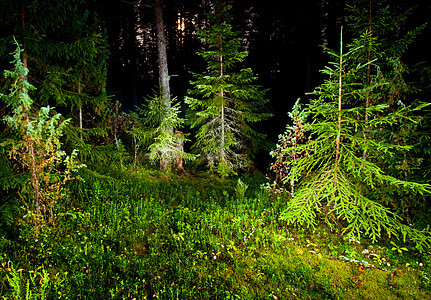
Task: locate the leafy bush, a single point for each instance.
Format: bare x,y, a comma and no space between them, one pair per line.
35,145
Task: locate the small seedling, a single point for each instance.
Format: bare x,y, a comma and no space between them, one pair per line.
397,248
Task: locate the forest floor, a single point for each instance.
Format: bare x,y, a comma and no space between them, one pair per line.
145,235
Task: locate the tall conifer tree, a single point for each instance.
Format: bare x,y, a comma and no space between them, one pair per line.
162,56
226,100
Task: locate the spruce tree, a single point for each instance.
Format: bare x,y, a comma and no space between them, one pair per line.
336,181
159,131
226,101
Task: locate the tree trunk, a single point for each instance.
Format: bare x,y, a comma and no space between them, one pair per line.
34,177
324,23
162,54
163,67
219,19
222,97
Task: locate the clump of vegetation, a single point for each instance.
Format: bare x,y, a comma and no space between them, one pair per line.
295,135
341,170
35,145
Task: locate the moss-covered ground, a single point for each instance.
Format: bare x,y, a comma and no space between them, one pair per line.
145,235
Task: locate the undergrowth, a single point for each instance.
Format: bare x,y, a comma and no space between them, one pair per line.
146,235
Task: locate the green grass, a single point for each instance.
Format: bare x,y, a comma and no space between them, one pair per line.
152,236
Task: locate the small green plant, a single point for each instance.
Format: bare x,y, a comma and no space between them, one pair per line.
426,279
398,248
35,287
295,135
240,189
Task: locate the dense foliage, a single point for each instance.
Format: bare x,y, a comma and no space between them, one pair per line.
340,178
101,197
160,132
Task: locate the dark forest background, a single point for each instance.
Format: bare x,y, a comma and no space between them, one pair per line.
284,41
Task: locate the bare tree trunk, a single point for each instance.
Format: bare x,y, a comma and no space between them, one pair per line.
219,19
163,67
180,149
162,54
135,148
324,22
